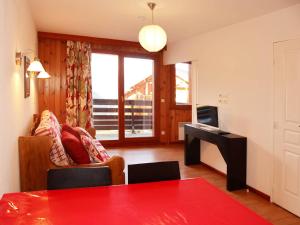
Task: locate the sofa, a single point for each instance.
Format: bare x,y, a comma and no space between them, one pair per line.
36,157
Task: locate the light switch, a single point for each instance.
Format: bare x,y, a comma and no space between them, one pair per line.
223,99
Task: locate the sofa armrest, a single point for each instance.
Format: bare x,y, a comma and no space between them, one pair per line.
116,165
34,162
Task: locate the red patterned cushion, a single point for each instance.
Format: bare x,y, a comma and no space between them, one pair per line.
75,148
66,127
95,149
46,128
55,124
101,150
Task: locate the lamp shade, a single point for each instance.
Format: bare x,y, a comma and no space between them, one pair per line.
36,66
43,75
153,38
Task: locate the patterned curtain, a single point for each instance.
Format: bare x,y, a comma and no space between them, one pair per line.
79,87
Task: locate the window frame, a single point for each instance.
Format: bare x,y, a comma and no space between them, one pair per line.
173,102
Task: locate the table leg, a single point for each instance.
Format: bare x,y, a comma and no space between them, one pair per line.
191,150
237,166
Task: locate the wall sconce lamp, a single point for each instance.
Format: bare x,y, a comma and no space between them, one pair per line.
43,75
18,58
35,66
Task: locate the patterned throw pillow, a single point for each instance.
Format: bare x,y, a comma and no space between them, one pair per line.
95,149
82,131
48,127
55,124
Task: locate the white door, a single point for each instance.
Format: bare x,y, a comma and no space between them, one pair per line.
286,186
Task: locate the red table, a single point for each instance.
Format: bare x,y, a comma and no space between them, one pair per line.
193,201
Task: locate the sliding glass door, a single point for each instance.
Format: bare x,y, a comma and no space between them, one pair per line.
138,94
105,86
123,97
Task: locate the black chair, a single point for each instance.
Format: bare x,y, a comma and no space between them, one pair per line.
151,172
78,177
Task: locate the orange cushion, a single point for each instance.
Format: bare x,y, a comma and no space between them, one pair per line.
75,148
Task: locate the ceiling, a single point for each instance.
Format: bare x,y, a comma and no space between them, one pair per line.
122,19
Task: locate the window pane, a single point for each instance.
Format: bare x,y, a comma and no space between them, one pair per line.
182,83
138,92
104,69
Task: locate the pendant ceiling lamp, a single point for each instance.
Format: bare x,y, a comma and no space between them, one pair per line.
152,37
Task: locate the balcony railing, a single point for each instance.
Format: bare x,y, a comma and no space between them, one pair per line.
138,114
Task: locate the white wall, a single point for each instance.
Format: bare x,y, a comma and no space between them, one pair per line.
237,61
17,33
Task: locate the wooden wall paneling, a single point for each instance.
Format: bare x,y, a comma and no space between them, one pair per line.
162,117
52,92
41,82
157,95
173,126
168,104
52,55
93,40
164,106
47,81
57,79
63,77
179,115
170,115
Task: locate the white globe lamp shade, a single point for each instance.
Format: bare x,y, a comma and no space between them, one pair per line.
36,66
43,75
153,38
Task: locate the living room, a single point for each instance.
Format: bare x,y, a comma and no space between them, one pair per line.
236,53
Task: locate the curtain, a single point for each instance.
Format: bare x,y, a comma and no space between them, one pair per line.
79,87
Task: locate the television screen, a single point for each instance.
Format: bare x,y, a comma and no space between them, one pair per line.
208,115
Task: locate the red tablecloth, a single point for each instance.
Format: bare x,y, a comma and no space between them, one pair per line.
193,201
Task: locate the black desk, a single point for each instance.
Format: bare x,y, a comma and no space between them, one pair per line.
233,149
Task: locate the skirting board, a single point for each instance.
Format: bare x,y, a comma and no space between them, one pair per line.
263,195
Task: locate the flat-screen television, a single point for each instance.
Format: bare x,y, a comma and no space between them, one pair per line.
208,115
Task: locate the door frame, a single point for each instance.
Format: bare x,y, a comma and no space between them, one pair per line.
122,141
275,123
